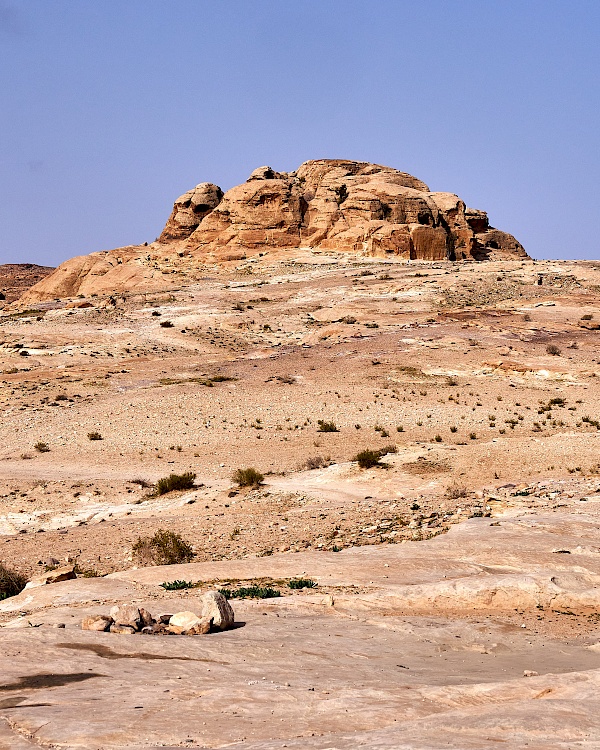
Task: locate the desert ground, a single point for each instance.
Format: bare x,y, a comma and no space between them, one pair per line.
468,558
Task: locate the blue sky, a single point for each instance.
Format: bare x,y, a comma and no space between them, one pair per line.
110,109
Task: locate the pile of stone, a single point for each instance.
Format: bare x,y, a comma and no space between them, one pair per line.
217,614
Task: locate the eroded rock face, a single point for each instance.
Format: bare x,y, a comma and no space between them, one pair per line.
190,209
327,204
346,206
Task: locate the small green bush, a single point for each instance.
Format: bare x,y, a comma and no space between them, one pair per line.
164,548
94,436
11,582
166,324
553,350
302,583
177,585
248,477
42,447
174,482
250,592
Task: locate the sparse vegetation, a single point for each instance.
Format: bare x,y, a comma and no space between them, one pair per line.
248,477
163,548
42,447
94,436
553,350
166,324
174,482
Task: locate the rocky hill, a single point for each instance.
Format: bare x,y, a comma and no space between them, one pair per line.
16,278
325,205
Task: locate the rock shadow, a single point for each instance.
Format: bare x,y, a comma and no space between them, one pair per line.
45,680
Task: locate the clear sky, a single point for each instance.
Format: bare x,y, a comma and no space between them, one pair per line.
110,109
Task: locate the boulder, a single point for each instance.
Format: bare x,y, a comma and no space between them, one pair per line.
128,615
99,623
64,573
188,623
216,607
122,629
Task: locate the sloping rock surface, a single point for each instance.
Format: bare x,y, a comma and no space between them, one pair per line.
327,205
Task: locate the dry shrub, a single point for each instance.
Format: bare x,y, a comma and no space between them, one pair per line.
174,482
455,491
164,548
248,477
11,582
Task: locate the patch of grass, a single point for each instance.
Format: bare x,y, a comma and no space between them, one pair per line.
324,426
177,585
248,477
174,482
163,548
250,592
94,436
11,582
553,350
302,583
42,447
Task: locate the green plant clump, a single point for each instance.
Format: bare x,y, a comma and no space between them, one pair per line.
42,447
164,548
174,482
250,592
177,585
302,583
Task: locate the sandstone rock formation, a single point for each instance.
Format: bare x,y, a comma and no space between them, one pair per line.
337,205
325,205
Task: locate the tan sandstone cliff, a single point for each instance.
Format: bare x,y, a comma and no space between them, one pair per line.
327,205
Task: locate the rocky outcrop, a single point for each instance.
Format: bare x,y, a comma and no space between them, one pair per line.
325,205
337,205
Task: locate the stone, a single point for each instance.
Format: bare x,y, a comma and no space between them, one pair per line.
122,629
200,628
182,621
530,673
216,607
128,615
146,618
100,623
64,573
